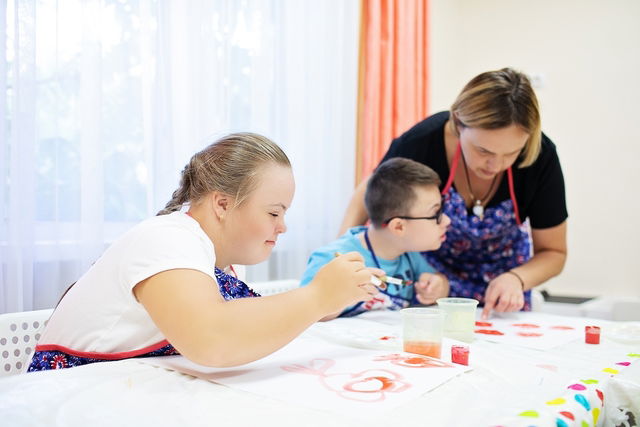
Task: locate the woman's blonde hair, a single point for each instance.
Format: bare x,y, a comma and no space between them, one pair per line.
230,165
497,99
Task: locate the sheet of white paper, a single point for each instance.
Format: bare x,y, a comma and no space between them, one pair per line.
313,373
359,333
531,330
386,317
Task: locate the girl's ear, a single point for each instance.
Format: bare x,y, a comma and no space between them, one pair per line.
220,204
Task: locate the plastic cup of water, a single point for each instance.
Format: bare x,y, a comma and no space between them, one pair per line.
422,330
460,317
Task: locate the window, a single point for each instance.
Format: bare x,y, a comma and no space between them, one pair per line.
106,100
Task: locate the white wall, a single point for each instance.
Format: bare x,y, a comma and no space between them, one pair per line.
588,55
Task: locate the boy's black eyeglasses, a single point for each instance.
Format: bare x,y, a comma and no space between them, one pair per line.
437,216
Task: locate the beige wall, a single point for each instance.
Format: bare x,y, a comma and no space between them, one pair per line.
587,53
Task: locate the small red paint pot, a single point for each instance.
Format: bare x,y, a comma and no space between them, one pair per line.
592,334
460,354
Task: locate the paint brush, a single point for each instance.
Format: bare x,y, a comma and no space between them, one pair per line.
375,280
396,281
381,282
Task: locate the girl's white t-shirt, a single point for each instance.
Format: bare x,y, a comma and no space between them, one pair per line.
100,313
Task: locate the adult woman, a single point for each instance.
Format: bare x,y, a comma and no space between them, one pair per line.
499,170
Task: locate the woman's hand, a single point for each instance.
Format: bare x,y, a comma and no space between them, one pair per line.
504,293
430,287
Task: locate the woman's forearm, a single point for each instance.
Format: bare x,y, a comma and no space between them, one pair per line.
541,267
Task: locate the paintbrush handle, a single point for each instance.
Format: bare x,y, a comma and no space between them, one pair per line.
375,280
396,281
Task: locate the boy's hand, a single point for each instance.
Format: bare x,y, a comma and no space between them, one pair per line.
430,287
343,281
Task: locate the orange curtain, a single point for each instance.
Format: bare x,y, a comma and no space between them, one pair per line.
393,74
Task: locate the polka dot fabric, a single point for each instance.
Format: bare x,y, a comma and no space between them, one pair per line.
580,403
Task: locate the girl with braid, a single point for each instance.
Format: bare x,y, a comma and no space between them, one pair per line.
168,286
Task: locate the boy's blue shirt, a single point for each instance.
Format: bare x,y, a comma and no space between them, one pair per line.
408,266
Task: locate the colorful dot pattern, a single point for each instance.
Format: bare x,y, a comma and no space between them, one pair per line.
582,402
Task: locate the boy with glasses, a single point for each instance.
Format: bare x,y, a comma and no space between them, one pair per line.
405,208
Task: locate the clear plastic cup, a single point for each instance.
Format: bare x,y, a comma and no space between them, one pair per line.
460,317
422,330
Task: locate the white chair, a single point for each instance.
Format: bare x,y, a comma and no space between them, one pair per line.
241,271
19,334
272,287
269,287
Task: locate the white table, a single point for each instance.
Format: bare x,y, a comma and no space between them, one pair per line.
505,382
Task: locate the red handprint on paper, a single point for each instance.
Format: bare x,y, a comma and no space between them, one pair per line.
370,385
414,361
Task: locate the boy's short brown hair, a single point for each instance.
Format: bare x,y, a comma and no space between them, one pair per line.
390,190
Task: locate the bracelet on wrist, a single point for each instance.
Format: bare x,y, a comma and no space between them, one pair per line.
518,276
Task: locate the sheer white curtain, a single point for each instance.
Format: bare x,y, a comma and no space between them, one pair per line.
105,101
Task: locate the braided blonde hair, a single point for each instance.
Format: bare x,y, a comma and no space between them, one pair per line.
230,165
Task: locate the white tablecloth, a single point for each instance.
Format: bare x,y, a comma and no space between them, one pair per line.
506,382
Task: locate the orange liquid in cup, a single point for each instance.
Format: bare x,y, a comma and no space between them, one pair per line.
426,348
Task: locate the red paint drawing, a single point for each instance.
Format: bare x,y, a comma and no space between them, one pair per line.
414,361
525,325
526,332
386,338
488,332
370,385
484,324
529,334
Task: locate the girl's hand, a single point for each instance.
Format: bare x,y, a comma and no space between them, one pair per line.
344,281
430,287
504,293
